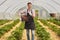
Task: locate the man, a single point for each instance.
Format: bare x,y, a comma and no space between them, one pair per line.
29,25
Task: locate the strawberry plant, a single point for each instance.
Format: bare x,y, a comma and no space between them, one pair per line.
41,33
17,34
57,22
6,28
52,27
3,21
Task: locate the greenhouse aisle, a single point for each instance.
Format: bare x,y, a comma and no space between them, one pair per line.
24,37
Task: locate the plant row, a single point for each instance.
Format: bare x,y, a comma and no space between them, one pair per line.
3,21
17,34
57,22
7,28
52,27
41,32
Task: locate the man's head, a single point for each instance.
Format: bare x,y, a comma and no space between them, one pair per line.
29,4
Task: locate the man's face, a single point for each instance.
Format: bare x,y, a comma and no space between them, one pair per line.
29,5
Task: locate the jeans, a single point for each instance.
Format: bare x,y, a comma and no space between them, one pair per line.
32,34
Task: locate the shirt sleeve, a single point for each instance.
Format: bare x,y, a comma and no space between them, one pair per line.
33,12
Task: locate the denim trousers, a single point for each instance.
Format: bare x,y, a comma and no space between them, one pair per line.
28,34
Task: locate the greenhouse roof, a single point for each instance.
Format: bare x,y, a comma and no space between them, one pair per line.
11,6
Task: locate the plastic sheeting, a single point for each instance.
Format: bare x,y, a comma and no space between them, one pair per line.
8,8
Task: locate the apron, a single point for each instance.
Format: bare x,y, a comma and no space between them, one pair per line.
30,23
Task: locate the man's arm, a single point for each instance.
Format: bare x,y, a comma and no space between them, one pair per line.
33,14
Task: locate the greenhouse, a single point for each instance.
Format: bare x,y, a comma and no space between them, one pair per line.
47,19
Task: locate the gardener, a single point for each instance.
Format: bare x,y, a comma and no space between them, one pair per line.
29,23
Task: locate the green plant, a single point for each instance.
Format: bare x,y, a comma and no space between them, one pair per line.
3,21
6,28
41,33
57,22
17,34
52,27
